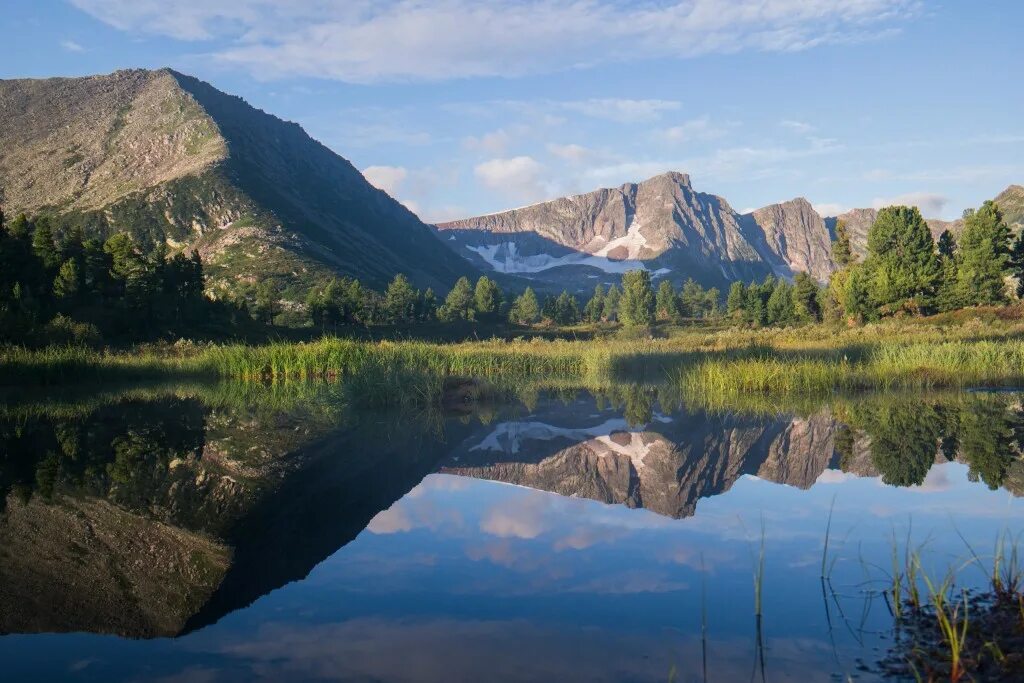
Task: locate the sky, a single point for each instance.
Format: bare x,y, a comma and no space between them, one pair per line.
464,107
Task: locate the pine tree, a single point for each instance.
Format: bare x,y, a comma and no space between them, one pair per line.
736,302
594,309
983,257
666,302
66,284
902,267
428,305
842,253
636,309
525,310
458,305
780,308
566,309
805,297
487,298
611,304
400,300
44,245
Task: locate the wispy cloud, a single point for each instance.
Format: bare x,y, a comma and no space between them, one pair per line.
519,177
930,203
71,46
397,40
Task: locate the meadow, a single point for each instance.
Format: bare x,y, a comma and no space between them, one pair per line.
984,349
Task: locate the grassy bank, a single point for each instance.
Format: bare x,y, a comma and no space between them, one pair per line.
724,362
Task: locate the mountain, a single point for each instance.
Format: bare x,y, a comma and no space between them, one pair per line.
172,159
661,224
1011,203
666,467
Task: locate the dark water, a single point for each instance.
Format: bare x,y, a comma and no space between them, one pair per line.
225,533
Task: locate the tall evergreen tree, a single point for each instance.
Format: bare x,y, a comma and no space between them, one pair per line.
611,304
400,300
458,305
902,268
805,295
525,309
666,304
487,298
636,309
842,252
44,245
594,310
736,302
983,259
780,308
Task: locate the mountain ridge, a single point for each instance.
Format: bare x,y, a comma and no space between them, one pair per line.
172,159
696,234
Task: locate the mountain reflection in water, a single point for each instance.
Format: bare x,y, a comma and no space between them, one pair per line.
277,533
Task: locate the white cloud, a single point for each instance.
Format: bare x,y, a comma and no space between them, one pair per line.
397,40
495,142
387,178
621,110
797,126
830,208
694,129
929,203
518,177
71,46
572,153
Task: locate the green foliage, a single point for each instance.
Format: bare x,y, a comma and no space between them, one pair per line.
636,308
983,257
667,305
842,253
400,300
806,303
780,307
80,291
487,298
567,309
594,310
458,305
525,309
611,304
736,302
901,270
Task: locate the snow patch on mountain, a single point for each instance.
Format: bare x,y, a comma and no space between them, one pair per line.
505,258
508,437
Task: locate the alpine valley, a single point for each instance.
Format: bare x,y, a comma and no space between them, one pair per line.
174,161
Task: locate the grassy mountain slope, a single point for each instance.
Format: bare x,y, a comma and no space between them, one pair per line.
170,158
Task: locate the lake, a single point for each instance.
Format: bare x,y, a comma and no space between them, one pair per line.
228,532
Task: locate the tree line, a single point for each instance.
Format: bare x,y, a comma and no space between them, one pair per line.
904,271
77,289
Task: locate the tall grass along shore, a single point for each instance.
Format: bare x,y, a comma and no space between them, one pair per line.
812,360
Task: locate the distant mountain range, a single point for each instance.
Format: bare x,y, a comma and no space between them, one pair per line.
170,158
664,225
174,160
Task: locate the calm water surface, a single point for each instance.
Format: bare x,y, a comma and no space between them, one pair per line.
224,533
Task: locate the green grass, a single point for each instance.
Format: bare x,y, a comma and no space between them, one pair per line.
706,365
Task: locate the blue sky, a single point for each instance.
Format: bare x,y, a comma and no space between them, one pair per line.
460,107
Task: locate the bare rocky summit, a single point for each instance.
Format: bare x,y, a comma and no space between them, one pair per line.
664,225
171,159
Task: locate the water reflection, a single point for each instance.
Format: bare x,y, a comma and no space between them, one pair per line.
279,534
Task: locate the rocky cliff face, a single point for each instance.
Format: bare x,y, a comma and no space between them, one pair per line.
795,238
665,467
171,159
661,224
